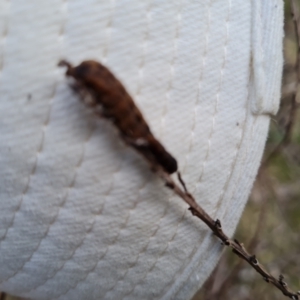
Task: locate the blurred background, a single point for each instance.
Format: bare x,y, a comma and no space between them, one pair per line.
270,224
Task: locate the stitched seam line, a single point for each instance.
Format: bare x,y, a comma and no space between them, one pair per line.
113,243
108,29
4,42
123,227
167,97
39,150
71,185
77,167
258,62
3,39
85,236
105,53
143,250
237,184
261,43
139,89
222,71
207,36
182,268
145,43
162,252
248,109
204,56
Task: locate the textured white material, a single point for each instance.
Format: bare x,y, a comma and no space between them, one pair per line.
81,216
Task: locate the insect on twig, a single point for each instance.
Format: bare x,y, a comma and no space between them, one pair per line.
108,96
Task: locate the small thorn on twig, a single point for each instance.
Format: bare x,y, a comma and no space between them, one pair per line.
224,243
238,242
218,224
193,211
283,283
281,277
170,185
254,260
182,182
190,195
216,228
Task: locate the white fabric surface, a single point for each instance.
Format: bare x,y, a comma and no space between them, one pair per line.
81,216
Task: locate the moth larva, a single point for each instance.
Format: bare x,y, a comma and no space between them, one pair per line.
109,96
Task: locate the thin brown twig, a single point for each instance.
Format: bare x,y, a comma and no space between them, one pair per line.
215,226
251,247
2,296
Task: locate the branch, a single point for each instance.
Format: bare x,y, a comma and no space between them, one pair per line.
2,296
216,227
251,247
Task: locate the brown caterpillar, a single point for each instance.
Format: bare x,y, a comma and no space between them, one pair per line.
109,96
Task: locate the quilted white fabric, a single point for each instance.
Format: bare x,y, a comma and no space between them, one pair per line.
81,214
